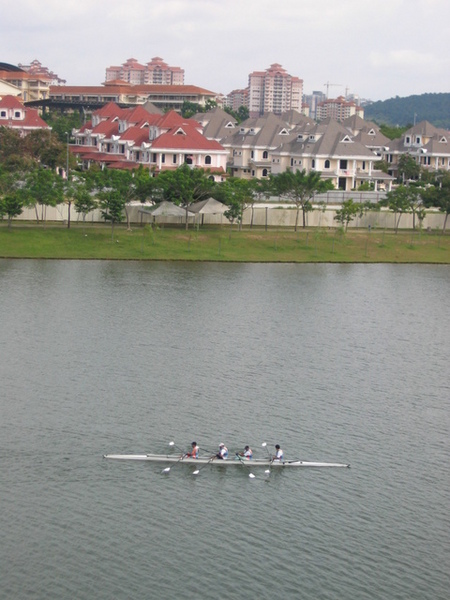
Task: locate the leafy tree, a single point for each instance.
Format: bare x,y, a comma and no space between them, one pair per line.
416,203
300,187
84,202
399,201
394,132
238,196
11,148
382,165
261,190
44,148
12,205
189,109
62,122
43,188
348,212
240,115
112,205
407,168
438,195
185,185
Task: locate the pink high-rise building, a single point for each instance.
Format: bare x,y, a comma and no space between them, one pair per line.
338,109
274,90
155,72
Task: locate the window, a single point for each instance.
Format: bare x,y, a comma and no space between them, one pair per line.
174,159
407,140
163,158
207,160
264,172
252,154
327,164
313,163
343,164
17,114
292,162
3,114
265,154
364,165
154,157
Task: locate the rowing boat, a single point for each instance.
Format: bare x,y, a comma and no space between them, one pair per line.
254,462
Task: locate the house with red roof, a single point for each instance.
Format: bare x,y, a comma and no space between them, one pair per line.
14,115
126,138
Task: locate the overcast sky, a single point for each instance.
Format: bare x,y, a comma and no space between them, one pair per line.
377,49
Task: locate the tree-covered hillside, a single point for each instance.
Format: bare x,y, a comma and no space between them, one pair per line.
434,108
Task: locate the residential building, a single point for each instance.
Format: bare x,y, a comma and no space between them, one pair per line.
367,133
252,143
312,100
427,144
162,96
14,115
237,98
127,138
338,109
37,69
274,90
330,148
155,72
217,124
30,86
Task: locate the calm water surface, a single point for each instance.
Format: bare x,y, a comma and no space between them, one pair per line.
345,363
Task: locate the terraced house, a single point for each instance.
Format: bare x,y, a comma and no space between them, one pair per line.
127,138
345,153
332,149
427,144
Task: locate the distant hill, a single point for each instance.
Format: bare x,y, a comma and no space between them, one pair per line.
434,108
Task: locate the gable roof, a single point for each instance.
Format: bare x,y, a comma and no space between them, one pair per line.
185,136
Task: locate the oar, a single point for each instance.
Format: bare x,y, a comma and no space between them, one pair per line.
167,469
244,464
264,445
177,447
197,471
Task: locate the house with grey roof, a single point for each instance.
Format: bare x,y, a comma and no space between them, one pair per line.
330,148
251,146
427,144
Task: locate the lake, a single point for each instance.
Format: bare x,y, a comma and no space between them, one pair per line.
337,363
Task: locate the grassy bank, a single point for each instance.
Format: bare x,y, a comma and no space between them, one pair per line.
222,244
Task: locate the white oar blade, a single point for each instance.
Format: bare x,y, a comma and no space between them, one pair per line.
267,471
251,476
196,472
166,470
171,443
264,444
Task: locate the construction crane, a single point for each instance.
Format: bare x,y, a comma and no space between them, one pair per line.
328,85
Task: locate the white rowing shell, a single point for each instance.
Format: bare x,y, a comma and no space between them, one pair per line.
255,462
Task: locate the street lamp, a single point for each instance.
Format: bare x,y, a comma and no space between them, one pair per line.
69,202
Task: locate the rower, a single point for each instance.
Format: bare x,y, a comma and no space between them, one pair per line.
247,453
223,452
279,455
194,452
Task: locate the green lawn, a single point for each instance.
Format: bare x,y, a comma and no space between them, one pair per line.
222,244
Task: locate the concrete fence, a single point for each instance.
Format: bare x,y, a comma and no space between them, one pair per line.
262,215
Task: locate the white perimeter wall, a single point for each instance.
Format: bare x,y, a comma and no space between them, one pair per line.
262,216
